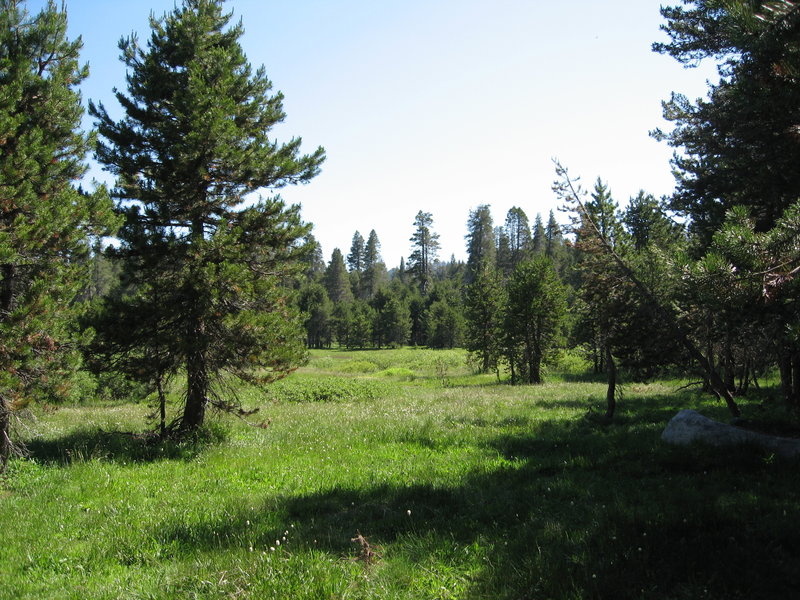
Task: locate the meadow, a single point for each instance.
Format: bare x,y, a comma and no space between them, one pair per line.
400,474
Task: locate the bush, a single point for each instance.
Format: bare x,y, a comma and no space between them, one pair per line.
328,389
399,372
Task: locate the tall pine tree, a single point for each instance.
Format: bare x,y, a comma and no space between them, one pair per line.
210,267
425,244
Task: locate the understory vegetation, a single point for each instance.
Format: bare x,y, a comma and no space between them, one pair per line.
401,474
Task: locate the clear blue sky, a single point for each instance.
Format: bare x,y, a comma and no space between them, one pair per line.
441,105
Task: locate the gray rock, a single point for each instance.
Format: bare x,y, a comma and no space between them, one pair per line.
689,426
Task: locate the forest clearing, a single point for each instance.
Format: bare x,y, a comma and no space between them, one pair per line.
460,486
196,403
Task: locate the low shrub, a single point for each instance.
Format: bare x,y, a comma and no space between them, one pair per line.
402,373
327,389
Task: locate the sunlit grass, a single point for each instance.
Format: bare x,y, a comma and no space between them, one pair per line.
464,487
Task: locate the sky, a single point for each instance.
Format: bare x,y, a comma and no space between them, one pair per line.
440,105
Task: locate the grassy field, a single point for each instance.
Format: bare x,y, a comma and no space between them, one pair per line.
459,487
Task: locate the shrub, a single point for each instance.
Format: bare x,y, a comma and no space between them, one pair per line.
328,389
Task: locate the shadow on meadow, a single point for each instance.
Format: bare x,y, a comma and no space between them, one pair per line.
119,446
579,509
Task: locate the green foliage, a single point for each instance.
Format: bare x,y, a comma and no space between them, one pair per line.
46,224
481,252
358,366
532,318
356,258
518,231
483,307
317,310
209,272
392,320
326,389
647,223
337,282
740,145
425,244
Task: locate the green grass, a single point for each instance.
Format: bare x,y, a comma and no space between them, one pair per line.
464,488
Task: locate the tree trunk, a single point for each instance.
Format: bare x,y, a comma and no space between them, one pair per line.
197,380
162,405
5,440
611,393
729,368
6,305
196,391
787,383
9,272
795,379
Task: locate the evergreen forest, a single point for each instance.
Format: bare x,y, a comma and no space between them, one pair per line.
198,400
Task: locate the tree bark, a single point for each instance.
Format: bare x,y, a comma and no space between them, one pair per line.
6,305
611,393
7,289
5,440
197,380
162,405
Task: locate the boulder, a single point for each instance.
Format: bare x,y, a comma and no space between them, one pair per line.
689,426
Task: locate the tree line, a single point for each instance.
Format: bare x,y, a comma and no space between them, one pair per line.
211,282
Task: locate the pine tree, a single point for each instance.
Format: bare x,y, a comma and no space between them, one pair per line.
392,324
355,260
483,304
519,235
538,235
425,244
314,261
480,242
45,222
317,309
553,239
533,317
738,146
647,223
337,282
375,275
503,260
193,146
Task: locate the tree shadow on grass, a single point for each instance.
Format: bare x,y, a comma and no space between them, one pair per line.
120,446
577,510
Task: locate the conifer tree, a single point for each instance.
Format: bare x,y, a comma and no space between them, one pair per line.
45,222
337,283
355,260
317,308
211,269
553,239
480,242
483,305
425,244
533,316
538,235
503,258
647,223
375,275
519,234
